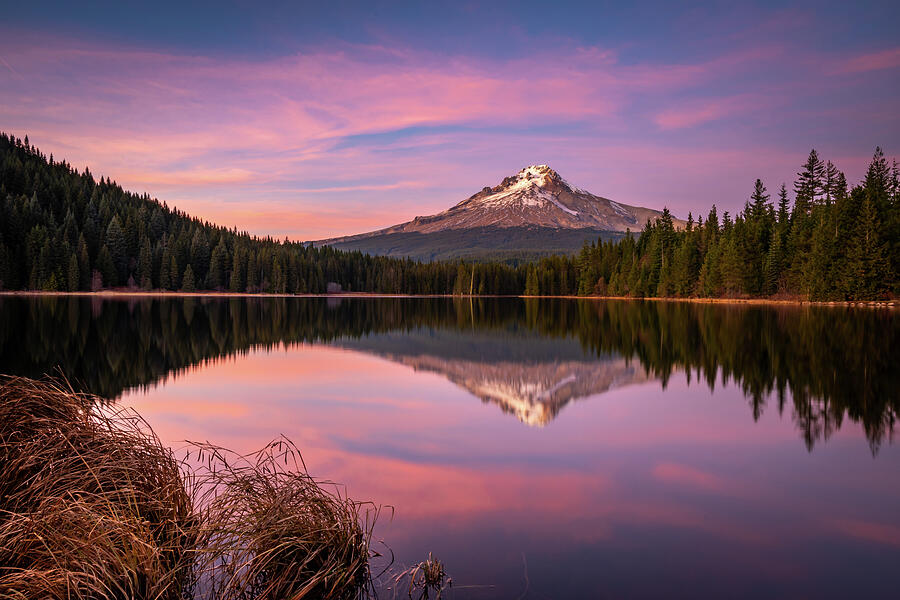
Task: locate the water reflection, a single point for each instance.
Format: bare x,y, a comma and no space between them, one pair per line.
523,373
666,427
529,357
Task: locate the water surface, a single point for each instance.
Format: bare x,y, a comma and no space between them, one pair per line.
541,449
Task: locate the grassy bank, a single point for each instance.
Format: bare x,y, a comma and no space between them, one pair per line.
92,505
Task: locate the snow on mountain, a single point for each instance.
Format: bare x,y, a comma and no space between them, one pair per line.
536,206
536,196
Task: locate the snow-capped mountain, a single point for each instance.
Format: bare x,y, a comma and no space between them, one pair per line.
533,200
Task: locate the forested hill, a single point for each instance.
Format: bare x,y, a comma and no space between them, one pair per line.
63,230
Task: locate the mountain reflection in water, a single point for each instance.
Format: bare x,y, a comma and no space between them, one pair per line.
529,357
525,374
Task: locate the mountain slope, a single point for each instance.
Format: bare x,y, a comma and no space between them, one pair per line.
535,212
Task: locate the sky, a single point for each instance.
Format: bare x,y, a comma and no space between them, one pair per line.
310,120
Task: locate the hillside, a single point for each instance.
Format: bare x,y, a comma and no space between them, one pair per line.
62,230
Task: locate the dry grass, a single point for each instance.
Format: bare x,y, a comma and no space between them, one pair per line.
276,533
426,580
93,506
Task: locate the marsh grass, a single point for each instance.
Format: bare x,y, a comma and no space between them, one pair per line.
93,506
272,531
428,579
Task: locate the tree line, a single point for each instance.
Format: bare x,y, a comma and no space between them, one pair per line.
60,229
831,243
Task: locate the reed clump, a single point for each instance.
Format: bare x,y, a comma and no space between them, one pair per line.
426,579
93,506
274,532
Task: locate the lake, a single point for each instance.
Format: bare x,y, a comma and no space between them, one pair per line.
540,448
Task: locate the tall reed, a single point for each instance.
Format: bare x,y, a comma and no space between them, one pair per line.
93,506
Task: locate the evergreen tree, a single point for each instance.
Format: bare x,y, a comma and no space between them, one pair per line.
165,280
117,247
868,263
531,283
216,278
236,283
73,280
145,265
784,213
187,283
809,184
107,268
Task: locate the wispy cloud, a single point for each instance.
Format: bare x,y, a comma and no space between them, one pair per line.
874,61
393,132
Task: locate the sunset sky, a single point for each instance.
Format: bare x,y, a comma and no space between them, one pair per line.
333,118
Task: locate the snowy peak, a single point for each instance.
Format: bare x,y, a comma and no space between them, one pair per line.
536,197
533,175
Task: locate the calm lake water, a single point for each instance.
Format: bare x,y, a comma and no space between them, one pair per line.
541,449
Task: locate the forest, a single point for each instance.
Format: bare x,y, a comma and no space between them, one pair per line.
62,230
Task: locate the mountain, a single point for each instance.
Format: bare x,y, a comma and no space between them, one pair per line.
533,213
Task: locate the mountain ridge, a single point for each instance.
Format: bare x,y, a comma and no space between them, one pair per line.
536,199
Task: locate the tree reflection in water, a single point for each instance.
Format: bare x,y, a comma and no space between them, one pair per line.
825,364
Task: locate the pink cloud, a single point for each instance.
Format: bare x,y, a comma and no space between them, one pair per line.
310,139
881,533
697,113
686,475
874,61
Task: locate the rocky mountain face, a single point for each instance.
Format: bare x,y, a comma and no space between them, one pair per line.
536,206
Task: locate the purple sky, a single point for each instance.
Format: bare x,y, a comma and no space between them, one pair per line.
318,122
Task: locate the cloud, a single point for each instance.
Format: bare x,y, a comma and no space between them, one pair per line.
874,61
348,135
704,111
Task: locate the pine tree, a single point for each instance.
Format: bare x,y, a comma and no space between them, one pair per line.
84,264
829,188
868,262
73,278
174,273
809,184
216,277
165,281
187,283
759,202
107,268
773,266
117,247
531,283
200,255
236,283
145,265
784,212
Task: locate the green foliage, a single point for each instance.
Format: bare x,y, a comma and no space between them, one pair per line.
833,245
187,283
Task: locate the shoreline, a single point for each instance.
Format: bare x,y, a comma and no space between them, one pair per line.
893,304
